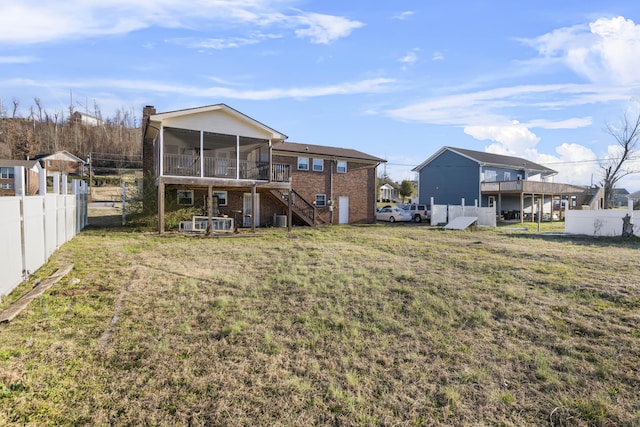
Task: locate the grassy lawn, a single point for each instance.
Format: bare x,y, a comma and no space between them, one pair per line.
346,325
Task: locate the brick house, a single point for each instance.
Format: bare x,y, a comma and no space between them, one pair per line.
8,175
229,165
340,182
62,162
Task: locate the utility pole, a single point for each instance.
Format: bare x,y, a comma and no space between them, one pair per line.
90,177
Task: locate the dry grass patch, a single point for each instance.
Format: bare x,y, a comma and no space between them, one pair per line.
369,325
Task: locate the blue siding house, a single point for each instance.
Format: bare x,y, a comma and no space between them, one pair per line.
513,185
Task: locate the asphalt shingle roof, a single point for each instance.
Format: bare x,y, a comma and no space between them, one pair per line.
322,150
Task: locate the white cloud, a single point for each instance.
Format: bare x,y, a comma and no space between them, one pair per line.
410,57
607,51
160,88
573,123
16,59
513,139
437,56
224,43
576,163
325,29
37,21
493,106
404,15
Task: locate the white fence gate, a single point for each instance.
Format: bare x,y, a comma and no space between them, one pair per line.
33,227
442,214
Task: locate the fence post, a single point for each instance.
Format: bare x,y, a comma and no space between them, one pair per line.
42,182
63,183
56,182
124,201
18,179
19,188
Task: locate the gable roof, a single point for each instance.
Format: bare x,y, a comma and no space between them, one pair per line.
29,164
293,148
389,182
59,155
215,107
490,159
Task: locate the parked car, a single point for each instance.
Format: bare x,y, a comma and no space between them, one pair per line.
419,212
393,214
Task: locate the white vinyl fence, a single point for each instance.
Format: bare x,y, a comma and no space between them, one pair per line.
601,222
33,227
443,214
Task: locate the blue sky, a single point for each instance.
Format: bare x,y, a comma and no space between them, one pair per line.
396,79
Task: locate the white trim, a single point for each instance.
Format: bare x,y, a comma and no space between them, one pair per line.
277,136
298,163
182,190
316,200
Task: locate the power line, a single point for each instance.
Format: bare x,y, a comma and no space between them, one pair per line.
571,162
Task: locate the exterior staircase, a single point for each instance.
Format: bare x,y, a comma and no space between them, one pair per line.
302,209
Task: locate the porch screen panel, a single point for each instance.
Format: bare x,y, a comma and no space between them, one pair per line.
219,152
181,152
254,158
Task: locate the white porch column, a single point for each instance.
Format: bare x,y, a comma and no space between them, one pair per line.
201,154
161,151
237,156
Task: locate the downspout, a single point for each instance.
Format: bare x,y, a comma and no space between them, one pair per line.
375,191
480,185
331,191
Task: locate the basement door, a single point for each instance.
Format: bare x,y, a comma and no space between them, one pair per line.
246,210
343,210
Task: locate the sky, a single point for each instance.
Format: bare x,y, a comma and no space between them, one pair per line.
544,80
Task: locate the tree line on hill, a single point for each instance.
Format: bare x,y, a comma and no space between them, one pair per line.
115,139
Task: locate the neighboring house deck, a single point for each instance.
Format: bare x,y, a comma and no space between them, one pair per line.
516,187
229,164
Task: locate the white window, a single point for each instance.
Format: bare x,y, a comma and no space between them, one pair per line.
318,165
222,197
490,176
6,173
321,199
492,201
7,185
507,176
185,197
49,162
303,163
341,167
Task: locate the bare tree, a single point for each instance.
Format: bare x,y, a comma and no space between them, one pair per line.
627,137
16,105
